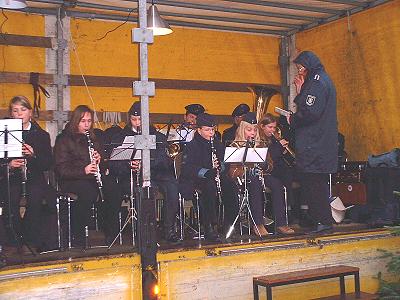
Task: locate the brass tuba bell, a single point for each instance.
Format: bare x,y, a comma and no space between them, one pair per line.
262,96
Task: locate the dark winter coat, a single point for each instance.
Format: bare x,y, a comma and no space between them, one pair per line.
197,161
315,121
71,154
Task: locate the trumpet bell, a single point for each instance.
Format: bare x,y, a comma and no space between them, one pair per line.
173,150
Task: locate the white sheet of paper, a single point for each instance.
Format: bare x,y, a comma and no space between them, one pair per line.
282,111
13,146
254,155
126,150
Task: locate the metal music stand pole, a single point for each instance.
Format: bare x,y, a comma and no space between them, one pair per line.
18,237
245,198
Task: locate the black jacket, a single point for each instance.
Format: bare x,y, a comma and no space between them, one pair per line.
42,160
197,161
161,164
315,121
229,134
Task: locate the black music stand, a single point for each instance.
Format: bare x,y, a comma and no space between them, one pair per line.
11,147
245,155
128,152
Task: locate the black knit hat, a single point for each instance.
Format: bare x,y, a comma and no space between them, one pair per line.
135,109
205,119
240,110
250,117
195,109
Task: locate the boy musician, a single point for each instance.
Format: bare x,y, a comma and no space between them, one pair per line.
200,170
161,170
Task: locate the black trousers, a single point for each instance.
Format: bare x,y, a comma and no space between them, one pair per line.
315,190
169,189
37,226
87,192
256,200
208,201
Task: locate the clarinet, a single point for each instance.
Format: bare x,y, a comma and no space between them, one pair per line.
214,160
24,193
97,175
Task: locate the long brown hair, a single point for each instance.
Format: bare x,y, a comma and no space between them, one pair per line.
76,117
266,119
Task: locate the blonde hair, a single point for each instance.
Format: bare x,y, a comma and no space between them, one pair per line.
22,100
240,140
240,133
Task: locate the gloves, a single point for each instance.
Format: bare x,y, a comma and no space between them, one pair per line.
210,174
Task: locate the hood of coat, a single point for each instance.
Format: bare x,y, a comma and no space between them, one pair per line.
310,61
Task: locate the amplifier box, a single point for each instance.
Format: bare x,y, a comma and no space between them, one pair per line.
350,193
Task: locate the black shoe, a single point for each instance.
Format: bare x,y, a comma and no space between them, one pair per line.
211,235
321,228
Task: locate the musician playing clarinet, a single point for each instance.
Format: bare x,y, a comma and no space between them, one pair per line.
28,188
162,172
201,171
80,170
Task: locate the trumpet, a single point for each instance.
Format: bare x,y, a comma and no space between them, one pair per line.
97,175
173,150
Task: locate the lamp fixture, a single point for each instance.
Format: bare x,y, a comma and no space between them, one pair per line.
13,4
155,22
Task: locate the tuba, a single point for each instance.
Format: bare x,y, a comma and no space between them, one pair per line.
262,96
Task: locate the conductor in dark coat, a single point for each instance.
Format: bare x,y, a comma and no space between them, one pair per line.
315,124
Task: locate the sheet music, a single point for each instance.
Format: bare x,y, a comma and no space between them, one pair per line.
126,150
14,145
254,155
282,112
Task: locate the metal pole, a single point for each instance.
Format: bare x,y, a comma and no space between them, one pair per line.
60,116
284,65
146,204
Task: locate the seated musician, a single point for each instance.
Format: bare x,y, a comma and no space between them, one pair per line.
162,172
80,175
199,170
229,134
188,128
34,193
277,148
248,131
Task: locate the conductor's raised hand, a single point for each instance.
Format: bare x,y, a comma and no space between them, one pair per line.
298,82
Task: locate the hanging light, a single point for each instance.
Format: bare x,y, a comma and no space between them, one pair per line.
12,4
155,22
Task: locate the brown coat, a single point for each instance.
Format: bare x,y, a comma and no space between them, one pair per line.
71,154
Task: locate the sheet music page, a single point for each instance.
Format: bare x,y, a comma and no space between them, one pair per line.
256,155
282,111
14,145
233,155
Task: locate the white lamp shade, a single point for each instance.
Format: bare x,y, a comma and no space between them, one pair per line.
155,22
12,4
